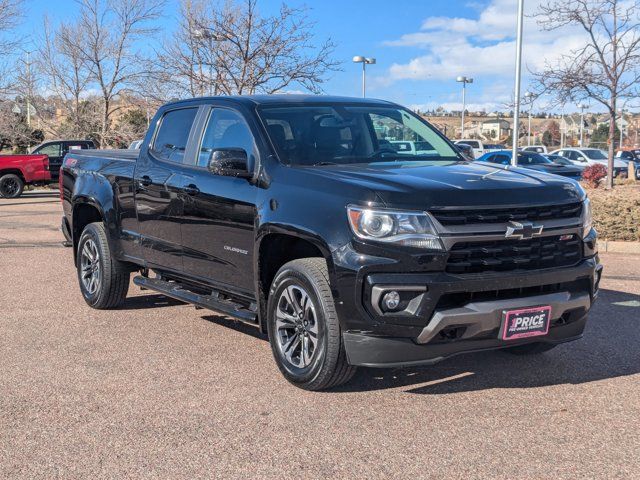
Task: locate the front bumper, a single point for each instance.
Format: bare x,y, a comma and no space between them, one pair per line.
445,330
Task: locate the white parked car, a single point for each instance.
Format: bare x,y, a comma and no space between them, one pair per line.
479,148
536,149
413,148
591,156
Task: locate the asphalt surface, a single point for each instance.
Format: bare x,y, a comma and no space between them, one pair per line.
158,389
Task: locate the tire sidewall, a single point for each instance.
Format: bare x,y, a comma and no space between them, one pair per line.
91,233
15,178
293,276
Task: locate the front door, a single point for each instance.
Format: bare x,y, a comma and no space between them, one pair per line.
220,212
159,198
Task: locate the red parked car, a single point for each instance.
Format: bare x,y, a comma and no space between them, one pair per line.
16,171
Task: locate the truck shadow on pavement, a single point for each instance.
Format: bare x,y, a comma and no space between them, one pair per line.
141,302
610,348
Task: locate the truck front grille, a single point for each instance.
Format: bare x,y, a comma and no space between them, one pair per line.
508,255
503,215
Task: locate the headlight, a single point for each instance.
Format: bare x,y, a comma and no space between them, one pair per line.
587,219
409,229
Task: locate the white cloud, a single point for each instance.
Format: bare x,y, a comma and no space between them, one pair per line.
480,47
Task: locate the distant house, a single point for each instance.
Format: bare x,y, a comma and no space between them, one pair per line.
570,125
620,123
495,129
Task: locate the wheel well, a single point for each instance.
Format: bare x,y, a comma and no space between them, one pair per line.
83,215
276,250
14,171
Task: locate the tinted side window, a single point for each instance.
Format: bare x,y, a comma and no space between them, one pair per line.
227,129
172,137
76,146
52,150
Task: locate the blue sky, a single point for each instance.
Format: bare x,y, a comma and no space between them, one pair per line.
420,45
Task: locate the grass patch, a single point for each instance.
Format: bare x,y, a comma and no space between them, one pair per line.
616,213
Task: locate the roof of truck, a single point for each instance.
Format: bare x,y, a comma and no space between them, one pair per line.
283,99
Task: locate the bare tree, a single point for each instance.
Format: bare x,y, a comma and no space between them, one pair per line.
230,48
607,68
106,36
66,78
10,15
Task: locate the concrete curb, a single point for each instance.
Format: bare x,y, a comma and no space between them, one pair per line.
619,247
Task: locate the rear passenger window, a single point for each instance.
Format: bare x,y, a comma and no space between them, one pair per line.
172,137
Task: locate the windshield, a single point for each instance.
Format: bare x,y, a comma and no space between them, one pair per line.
559,160
529,158
336,135
595,154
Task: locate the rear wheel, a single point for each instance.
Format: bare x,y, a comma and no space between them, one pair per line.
303,325
104,281
11,186
531,348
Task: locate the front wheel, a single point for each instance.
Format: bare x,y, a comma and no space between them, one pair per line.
11,186
104,281
304,331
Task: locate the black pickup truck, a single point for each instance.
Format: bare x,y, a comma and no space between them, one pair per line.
350,231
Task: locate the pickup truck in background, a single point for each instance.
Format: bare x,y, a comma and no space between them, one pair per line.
479,148
301,215
16,171
57,149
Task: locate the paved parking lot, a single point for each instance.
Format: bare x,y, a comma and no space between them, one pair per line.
159,389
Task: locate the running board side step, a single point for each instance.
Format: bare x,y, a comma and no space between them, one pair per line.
210,302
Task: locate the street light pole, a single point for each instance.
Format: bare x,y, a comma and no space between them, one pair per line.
621,127
582,107
364,61
516,110
28,79
464,81
529,96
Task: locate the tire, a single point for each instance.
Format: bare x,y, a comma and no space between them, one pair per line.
324,363
531,348
104,281
11,186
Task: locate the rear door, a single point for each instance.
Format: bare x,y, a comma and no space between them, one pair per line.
158,183
53,150
218,228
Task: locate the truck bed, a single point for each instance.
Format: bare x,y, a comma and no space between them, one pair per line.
118,154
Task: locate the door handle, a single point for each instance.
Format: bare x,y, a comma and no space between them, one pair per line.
191,189
143,182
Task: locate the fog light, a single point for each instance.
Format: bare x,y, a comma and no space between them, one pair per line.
391,300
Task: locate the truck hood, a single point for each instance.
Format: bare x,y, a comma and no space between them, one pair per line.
418,185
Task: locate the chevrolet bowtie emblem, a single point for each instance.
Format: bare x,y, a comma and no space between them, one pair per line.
523,230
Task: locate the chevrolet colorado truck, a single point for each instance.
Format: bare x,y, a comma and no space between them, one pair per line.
298,214
16,171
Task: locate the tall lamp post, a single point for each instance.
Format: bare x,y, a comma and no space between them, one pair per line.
208,35
364,61
530,97
464,81
622,110
582,108
516,107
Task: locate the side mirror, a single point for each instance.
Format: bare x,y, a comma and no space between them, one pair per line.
229,162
